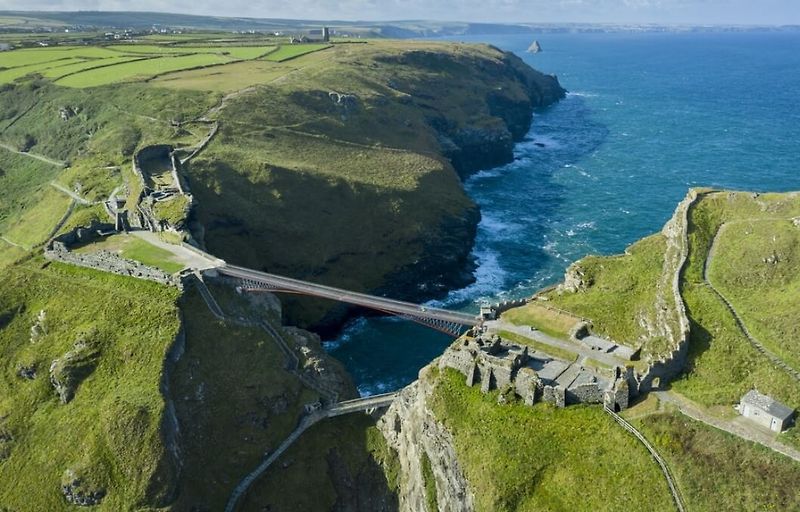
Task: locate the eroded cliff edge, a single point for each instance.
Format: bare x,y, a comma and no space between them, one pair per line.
356,167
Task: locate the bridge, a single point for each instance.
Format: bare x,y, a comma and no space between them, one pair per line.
449,322
366,404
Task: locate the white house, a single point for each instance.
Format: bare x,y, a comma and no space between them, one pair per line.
765,411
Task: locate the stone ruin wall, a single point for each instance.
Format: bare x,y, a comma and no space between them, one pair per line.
58,250
147,218
670,365
502,307
109,262
494,373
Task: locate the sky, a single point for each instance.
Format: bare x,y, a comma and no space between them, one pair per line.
717,12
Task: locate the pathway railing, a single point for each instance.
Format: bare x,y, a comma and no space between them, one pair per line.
673,488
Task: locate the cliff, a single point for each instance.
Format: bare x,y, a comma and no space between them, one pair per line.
426,453
374,201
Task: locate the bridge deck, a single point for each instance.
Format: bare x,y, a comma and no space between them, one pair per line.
362,404
271,281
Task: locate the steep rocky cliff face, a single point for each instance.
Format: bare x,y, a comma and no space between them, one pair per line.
425,450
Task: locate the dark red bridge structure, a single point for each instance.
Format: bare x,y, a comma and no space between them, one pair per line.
449,322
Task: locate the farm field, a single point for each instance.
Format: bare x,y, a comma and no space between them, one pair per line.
85,65
237,52
92,66
285,53
30,56
238,75
132,71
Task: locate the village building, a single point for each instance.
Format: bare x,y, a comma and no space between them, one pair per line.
765,411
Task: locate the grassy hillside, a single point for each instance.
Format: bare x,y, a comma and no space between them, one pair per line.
723,364
30,209
234,401
110,335
342,159
104,125
756,266
345,154
620,294
341,463
718,471
519,458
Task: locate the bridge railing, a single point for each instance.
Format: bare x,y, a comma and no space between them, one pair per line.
258,280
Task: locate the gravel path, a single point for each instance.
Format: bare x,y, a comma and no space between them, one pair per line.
740,427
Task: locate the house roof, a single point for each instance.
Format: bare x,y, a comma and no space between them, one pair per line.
767,404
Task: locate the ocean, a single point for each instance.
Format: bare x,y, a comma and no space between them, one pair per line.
648,116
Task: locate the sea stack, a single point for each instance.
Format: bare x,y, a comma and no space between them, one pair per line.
535,47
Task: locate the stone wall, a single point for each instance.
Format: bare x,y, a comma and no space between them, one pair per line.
501,307
677,233
496,364
109,262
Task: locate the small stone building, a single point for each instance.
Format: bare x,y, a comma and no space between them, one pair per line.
765,411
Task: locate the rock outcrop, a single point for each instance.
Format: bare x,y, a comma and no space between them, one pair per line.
77,490
39,327
69,370
325,371
412,431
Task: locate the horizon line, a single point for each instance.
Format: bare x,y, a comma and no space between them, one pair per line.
429,20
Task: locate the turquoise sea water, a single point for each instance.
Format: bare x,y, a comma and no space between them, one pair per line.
647,117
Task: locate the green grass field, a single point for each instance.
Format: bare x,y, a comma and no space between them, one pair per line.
239,75
138,70
61,71
287,52
522,458
622,293
75,66
723,364
717,471
111,431
764,294
548,320
12,74
133,248
29,207
236,52
35,224
27,57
